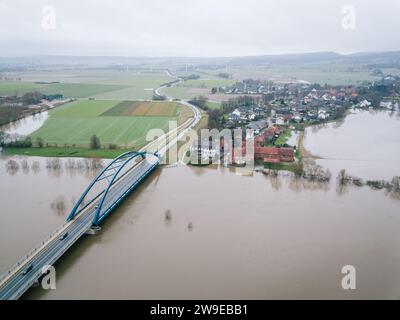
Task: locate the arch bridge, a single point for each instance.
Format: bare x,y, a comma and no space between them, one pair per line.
107,190
120,176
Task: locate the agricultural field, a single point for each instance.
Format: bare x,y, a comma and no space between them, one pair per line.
8,88
78,90
123,123
331,73
69,90
142,108
137,86
213,105
99,84
192,88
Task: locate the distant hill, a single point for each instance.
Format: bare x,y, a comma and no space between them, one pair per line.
370,58
289,58
318,57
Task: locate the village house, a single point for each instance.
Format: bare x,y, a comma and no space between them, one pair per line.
274,154
322,114
364,104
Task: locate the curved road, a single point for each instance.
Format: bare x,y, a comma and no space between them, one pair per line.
26,272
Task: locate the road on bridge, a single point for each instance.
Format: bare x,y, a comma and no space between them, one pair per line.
30,268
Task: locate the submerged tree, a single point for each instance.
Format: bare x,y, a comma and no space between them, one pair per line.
342,177
2,138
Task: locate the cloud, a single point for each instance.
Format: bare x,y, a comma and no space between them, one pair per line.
195,27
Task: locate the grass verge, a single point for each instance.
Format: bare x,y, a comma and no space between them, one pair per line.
65,152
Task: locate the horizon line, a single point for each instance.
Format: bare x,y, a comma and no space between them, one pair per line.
202,57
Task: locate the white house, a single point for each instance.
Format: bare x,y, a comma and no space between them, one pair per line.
280,121
364,104
236,112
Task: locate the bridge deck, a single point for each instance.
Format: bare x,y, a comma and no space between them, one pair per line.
15,282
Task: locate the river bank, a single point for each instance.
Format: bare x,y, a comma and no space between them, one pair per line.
64,152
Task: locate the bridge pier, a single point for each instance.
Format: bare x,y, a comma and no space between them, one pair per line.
93,230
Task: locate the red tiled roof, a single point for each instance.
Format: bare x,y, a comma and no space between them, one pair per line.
272,160
286,152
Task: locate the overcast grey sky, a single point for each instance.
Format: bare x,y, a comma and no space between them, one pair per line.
195,27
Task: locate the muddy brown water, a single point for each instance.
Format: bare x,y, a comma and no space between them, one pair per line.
252,237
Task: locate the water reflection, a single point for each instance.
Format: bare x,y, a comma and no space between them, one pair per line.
12,167
299,184
342,189
26,125
55,167
25,166
275,181
59,206
314,178
36,167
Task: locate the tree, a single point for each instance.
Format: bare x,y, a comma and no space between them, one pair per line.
342,177
2,138
396,184
159,97
95,142
31,97
39,142
200,102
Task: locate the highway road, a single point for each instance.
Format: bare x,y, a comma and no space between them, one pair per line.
175,135
16,282
29,269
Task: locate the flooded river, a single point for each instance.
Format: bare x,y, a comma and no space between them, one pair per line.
252,237
26,125
365,143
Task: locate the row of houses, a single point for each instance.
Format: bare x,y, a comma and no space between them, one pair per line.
245,114
249,86
271,155
274,155
390,105
301,116
304,103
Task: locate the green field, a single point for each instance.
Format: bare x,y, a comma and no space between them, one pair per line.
68,152
8,88
78,90
69,90
214,105
100,84
331,73
144,108
73,124
207,83
83,108
192,88
283,138
136,86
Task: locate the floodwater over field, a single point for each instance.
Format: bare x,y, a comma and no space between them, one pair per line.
365,143
252,236
26,125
